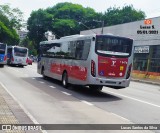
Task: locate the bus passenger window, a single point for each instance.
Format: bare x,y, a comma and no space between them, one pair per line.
82,49
79,49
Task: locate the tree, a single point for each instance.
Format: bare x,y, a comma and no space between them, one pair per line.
66,26
63,19
76,13
7,33
127,14
10,21
39,22
14,15
30,45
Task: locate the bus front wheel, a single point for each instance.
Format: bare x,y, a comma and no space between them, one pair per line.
2,65
42,72
65,80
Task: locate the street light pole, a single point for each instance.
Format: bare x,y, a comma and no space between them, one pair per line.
102,22
87,27
102,27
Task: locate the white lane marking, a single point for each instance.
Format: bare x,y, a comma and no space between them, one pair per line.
22,107
135,99
14,69
33,78
41,82
33,68
52,87
66,93
88,103
19,71
120,117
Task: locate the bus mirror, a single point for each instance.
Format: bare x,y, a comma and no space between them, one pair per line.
93,39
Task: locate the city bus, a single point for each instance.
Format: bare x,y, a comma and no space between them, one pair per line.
90,60
17,55
3,54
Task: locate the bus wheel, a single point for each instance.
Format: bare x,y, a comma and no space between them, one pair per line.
95,87
2,65
116,87
21,66
65,80
42,72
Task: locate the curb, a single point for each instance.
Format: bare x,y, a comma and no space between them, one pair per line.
11,109
147,82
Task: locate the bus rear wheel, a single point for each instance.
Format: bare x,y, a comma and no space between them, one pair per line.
1,65
65,80
95,87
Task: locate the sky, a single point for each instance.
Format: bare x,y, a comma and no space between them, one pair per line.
150,7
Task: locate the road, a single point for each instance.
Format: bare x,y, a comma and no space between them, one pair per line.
46,101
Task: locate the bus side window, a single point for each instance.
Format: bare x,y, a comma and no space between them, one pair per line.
86,50
79,49
72,49
82,49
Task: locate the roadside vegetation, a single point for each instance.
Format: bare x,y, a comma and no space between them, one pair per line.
63,19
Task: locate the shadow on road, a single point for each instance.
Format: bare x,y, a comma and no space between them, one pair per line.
17,66
79,92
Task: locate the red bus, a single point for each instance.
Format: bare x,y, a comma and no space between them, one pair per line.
89,60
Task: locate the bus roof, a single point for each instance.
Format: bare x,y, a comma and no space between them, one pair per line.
75,37
16,46
2,43
68,38
72,36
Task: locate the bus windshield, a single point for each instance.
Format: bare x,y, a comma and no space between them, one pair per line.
20,52
2,48
113,46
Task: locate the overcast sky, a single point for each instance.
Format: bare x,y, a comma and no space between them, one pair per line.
150,7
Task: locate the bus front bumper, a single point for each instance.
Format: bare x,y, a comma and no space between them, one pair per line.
3,63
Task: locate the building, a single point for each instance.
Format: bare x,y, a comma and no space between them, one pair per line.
146,35
22,34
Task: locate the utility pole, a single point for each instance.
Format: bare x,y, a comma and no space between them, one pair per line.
87,27
102,22
102,27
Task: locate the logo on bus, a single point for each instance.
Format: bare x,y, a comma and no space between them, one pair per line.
123,62
111,74
101,73
82,69
113,63
120,74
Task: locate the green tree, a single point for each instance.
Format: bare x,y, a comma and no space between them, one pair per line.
119,15
63,19
63,27
8,35
39,22
14,15
30,45
10,21
75,12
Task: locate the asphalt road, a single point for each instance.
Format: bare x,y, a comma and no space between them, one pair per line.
46,101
